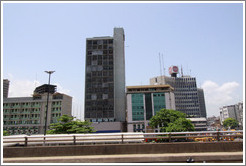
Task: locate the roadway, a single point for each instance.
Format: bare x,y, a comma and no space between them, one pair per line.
208,157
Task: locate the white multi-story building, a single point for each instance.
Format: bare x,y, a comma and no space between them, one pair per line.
232,111
26,115
143,102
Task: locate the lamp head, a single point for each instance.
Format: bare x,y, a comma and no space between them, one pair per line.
49,72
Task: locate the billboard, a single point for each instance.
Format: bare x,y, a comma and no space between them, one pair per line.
173,70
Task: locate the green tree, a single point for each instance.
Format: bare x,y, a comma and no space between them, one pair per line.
230,123
67,125
171,121
5,133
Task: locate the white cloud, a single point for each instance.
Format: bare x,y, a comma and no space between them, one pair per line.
25,88
60,89
217,96
22,88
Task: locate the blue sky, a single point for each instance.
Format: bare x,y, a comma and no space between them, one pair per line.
205,38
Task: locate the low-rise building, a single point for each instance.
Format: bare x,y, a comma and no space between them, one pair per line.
143,102
213,123
200,124
26,115
232,111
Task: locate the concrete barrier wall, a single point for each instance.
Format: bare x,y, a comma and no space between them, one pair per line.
149,148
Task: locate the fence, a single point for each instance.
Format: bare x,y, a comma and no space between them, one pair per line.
24,140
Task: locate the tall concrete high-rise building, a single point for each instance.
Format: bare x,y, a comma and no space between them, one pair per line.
200,93
188,98
105,78
5,88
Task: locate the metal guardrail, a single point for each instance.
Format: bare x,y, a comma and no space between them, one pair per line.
74,139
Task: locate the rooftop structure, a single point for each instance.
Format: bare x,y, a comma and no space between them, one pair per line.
45,89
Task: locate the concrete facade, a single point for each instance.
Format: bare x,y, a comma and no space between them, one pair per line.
200,93
143,102
108,127
113,149
200,124
188,98
232,111
105,78
5,88
26,115
119,75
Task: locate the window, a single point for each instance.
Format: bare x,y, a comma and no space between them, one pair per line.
94,42
110,41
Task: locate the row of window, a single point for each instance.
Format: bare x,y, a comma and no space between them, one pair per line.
158,94
17,122
99,80
100,62
138,127
21,104
158,107
91,68
108,114
100,47
191,98
102,120
28,132
23,116
99,74
137,107
21,111
56,109
56,103
137,117
99,42
99,54
56,115
184,79
135,101
91,58
99,109
100,90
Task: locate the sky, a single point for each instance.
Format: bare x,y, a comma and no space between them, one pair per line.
206,39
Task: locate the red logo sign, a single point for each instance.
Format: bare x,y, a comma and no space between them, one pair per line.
175,69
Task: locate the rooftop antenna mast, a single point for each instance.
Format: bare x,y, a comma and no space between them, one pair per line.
36,79
160,67
182,71
163,65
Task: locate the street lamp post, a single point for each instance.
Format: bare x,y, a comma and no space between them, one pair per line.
46,113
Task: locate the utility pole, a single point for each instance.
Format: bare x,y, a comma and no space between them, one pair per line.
46,113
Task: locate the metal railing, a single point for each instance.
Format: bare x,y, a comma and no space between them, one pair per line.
120,138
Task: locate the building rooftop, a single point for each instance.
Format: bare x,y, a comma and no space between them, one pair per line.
197,119
17,99
45,89
149,88
98,38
